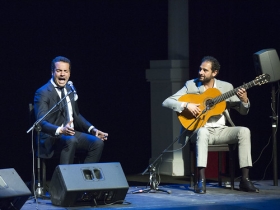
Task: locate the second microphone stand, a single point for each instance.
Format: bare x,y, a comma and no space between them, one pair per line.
152,169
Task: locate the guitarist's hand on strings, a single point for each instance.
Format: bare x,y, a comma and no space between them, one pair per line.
193,108
242,95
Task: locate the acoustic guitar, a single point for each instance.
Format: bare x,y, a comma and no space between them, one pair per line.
212,102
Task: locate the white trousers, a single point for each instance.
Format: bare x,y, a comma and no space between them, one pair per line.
223,135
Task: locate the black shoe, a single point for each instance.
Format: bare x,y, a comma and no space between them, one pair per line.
247,186
200,187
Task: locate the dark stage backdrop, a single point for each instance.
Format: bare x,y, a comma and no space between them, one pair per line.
110,44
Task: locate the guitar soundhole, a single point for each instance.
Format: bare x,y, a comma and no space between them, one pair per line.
209,103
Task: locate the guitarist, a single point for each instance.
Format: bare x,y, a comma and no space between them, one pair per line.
215,130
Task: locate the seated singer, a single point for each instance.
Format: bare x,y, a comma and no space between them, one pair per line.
215,130
65,129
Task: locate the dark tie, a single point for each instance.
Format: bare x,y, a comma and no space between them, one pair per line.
64,107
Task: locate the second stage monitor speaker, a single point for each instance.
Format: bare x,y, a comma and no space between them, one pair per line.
267,62
13,191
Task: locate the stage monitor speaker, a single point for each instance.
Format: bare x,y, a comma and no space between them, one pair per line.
13,191
88,184
267,62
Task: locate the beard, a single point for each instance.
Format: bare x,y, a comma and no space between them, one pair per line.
204,79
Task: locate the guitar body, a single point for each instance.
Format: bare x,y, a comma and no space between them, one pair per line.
188,120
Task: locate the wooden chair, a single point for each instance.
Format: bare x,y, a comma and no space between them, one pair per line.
221,149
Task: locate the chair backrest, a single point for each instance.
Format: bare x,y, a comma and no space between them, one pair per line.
31,114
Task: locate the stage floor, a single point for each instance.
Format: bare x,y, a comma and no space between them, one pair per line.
181,197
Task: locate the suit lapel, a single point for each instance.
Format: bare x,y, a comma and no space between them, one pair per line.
219,85
54,95
55,98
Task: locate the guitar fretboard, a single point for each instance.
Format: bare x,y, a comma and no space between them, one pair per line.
264,78
230,93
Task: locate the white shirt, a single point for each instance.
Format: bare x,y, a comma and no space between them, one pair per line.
70,110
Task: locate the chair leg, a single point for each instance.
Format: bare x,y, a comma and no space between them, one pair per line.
232,166
33,184
44,175
193,177
220,159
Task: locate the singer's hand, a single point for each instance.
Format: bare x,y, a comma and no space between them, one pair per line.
67,129
194,109
103,136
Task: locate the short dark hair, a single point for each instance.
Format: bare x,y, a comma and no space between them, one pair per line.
60,58
215,63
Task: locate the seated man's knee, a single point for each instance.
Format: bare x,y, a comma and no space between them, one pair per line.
71,140
100,143
96,142
244,131
202,132
202,136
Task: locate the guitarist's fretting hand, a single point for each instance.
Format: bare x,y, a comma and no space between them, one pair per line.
242,95
193,108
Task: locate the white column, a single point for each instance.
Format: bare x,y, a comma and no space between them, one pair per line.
178,30
166,77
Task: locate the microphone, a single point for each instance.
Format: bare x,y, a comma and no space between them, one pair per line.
70,83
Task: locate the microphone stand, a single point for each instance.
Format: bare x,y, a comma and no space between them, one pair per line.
152,169
40,190
274,118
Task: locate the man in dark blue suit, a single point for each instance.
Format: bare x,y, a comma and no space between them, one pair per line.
65,129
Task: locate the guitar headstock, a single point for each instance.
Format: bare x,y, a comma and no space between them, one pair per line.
262,79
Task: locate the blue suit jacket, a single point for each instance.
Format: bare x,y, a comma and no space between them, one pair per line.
46,98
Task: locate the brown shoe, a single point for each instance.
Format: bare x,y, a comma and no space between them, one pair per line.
247,186
200,187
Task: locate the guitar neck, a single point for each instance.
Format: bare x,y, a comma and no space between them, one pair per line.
230,93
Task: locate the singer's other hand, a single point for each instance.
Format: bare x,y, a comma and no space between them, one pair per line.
102,135
67,129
